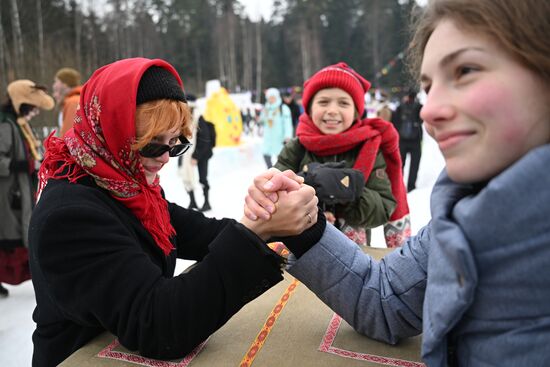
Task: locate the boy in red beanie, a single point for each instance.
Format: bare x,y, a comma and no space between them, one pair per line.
332,130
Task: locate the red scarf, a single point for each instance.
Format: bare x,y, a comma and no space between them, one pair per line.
373,134
99,146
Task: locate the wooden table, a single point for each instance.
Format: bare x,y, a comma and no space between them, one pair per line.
287,326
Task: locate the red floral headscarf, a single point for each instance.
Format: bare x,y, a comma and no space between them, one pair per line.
99,145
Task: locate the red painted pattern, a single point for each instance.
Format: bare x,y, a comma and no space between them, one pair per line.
109,352
330,335
248,358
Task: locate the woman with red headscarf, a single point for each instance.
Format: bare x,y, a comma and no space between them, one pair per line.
104,241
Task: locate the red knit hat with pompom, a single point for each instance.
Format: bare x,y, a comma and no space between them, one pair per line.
337,76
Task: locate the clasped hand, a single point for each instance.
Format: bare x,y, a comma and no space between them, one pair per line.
279,204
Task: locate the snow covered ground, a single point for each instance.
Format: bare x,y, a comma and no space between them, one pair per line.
231,171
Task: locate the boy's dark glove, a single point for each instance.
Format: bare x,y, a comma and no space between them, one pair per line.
333,183
301,243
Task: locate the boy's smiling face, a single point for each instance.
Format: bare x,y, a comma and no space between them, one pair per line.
332,110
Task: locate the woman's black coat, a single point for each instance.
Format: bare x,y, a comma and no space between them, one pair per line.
96,268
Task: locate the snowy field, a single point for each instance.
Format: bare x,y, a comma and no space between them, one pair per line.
231,171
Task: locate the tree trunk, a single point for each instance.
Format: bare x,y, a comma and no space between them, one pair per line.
117,31
375,34
221,53
317,59
17,39
232,52
3,80
198,61
77,37
126,36
94,58
259,61
247,57
40,27
305,50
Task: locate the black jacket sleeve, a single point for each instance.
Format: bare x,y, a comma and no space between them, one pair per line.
193,244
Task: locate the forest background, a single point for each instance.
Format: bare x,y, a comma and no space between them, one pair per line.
207,39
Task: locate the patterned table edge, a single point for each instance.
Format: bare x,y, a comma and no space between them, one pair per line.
330,336
326,345
109,352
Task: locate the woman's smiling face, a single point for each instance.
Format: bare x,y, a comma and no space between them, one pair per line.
484,109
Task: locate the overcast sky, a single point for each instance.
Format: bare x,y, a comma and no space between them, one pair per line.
262,8
257,8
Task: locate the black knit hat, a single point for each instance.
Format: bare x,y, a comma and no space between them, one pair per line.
158,83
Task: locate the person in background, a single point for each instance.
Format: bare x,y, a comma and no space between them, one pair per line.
383,109
66,91
246,118
276,120
408,123
20,156
104,241
185,164
300,104
331,131
206,140
256,113
475,281
288,100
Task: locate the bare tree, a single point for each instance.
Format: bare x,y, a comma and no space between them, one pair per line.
93,58
116,34
226,43
317,60
247,56
17,38
198,61
126,35
231,49
40,27
304,48
310,42
374,28
77,34
3,81
259,60
222,72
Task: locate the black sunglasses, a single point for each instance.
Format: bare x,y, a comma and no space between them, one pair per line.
153,150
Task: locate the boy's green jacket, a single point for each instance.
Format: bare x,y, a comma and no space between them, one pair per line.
376,203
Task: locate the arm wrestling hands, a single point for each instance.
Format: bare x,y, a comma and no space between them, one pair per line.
279,207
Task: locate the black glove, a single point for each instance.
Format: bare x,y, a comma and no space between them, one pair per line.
333,183
301,243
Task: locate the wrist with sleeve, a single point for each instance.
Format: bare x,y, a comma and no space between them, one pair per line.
276,258
301,243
